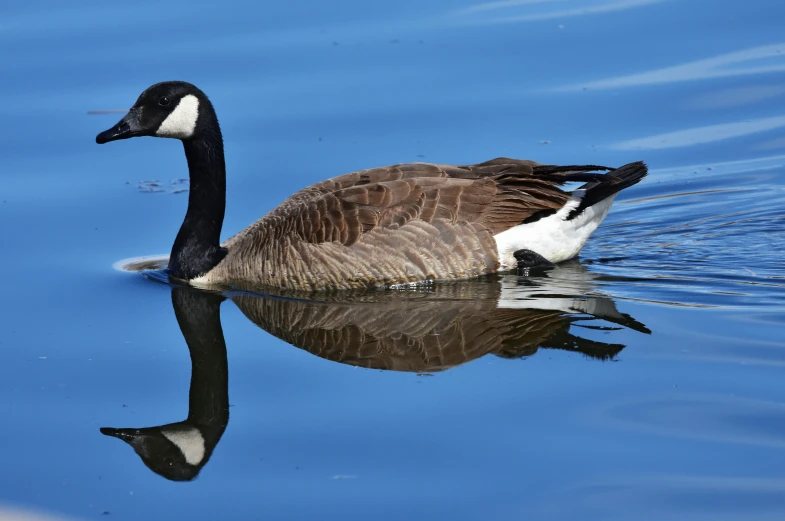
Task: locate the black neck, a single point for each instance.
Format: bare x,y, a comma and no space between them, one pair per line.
197,249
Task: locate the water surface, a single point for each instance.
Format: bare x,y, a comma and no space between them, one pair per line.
641,381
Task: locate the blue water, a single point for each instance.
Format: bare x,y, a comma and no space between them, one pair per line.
648,385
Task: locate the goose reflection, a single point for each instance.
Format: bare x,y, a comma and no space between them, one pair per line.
178,451
422,330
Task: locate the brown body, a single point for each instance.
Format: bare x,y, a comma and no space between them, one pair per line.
393,225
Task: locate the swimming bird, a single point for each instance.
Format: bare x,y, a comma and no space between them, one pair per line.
387,226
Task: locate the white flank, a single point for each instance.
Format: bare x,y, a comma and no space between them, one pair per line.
181,122
190,442
553,237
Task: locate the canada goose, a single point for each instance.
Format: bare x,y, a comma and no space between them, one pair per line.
399,224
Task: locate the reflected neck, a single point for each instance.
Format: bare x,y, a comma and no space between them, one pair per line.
199,317
197,248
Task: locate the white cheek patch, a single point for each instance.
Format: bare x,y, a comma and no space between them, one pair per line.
190,442
181,122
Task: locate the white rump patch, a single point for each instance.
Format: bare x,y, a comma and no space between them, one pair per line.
181,122
554,237
190,442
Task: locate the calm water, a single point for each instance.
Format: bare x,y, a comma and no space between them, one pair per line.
643,381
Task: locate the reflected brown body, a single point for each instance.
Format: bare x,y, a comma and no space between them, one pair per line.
420,332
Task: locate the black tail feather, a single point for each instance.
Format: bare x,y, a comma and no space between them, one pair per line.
609,184
578,169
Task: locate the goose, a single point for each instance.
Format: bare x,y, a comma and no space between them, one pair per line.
380,227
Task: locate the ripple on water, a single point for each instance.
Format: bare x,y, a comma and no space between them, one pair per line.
710,418
714,236
675,497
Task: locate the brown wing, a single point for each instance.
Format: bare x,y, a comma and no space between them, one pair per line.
393,225
496,195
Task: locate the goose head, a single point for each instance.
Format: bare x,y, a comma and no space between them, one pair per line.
179,110
173,109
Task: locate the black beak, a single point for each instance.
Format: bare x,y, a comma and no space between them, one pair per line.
127,127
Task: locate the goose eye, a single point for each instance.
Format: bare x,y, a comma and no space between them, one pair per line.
164,101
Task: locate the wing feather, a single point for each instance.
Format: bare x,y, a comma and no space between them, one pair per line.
495,195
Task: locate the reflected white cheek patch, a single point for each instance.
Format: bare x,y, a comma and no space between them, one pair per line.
181,122
190,442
